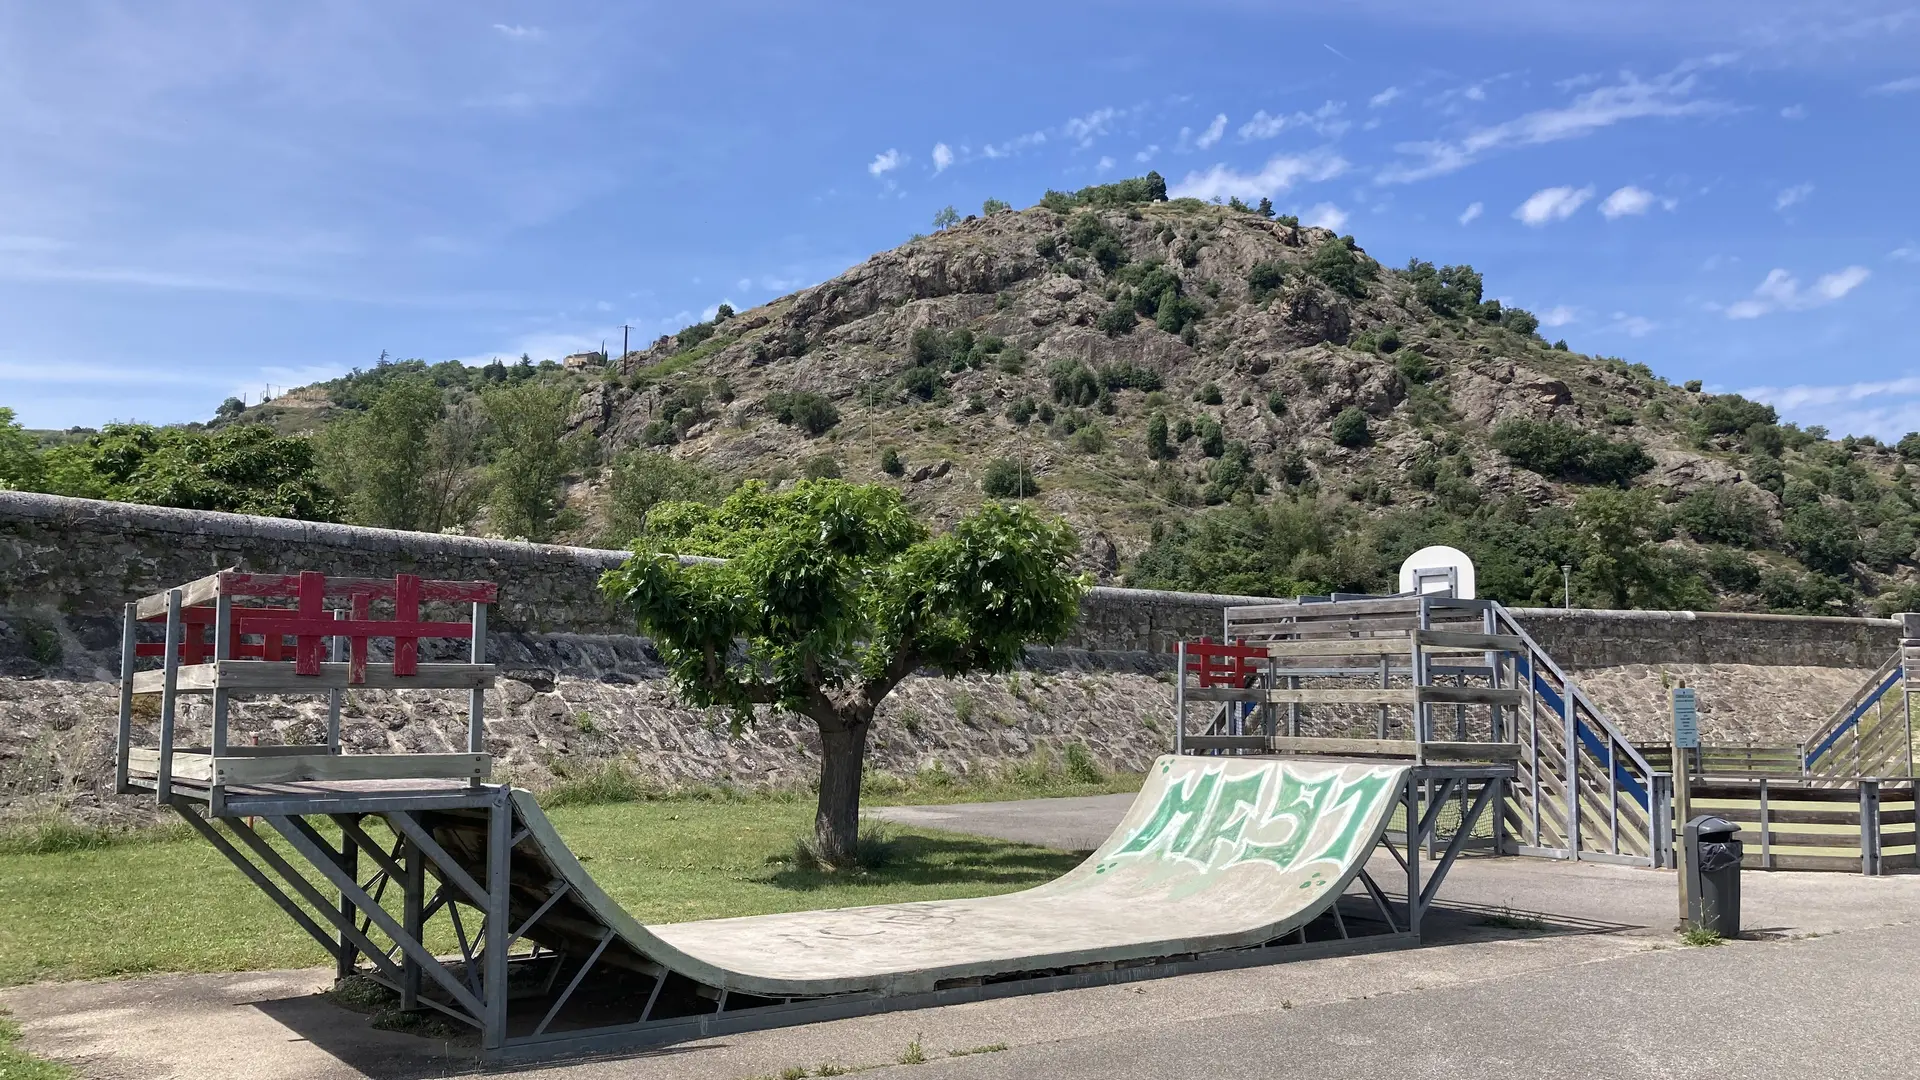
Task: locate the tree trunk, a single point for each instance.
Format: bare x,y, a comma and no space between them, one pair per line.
836,824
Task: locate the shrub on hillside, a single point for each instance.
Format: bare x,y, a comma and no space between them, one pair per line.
1089,232
1344,271
804,409
1721,516
1265,278
1565,452
1139,189
1006,478
1350,428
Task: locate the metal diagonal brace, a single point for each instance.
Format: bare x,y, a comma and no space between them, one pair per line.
1439,872
312,895
1434,805
443,863
1379,901
390,862
560,889
606,937
388,925
253,874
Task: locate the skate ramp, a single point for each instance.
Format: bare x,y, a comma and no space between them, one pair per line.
1215,854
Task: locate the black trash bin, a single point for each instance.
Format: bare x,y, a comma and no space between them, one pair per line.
1713,875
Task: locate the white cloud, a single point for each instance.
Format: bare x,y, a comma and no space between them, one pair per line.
1014,145
1279,174
1326,216
1905,253
1559,315
1899,86
1626,200
527,33
1325,120
1085,129
1103,164
1668,95
1886,408
1146,154
1798,193
1214,131
1634,326
1552,204
1794,112
942,158
1472,212
1476,92
1384,98
1781,291
884,163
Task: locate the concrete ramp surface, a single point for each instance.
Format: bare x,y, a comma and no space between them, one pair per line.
1216,853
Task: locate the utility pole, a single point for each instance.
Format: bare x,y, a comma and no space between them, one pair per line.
624,350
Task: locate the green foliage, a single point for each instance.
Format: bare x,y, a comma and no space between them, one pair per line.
1729,414
1277,403
531,453
1344,271
1415,368
405,462
1265,279
1118,320
1449,291
945,217
20,466
1559,450
1287,548
1140,189
1620,555
821,467
804,409
890,462
1073,383
1007,478
1519,320
1125,375
831,593
1234,473
1824,538
1209,394
1213,440
1350,428
994,206
1909,446
1157,446
242,469
1089,233
1721,515
1088,439
645,479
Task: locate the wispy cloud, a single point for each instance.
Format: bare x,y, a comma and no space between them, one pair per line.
1887,408
1085,129
1552,204
523,33
1634,326
1625,201
1792,196
1905,253
1669,95
1278,175
942,158
1326,216
885,162
1325,120
1014,145
1794,112
1214,130
1559,315
1384,98
1781,291
1472,212
1147,153
1103,164
1899,86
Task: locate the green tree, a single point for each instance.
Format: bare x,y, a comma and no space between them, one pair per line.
1006,478
947,216
1350,428
531,453
230,409
241,469
830,595
1157,447
20,465
1620,557
378,460
806,410
1346,273
994,206
642,480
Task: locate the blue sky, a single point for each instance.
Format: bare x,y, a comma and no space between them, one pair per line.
202,197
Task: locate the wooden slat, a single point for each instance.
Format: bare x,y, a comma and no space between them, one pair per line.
1844,864
1450,751
1352,696
1472,695
1748,810
1455,639
1399,645
313,767
261,676
1224,693
1778,791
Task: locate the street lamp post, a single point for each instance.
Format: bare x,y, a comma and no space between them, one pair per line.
1566,585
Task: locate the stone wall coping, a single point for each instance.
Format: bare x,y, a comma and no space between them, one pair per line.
1754,618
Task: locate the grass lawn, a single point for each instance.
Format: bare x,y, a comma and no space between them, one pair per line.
16,1064
175,904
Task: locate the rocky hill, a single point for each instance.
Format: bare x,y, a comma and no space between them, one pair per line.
1220,399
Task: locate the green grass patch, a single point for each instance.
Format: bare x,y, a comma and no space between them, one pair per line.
1699,937
175,904
17,1064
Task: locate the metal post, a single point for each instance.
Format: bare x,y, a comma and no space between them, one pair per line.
499,918
1411,798
347,958
1179,697
413,918
1870,827
222,650
477,698
1293,708
1766,829
1419,673
336,653
123,740
169,695
1573,768
1385,675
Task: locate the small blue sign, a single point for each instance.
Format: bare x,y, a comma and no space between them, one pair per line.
1686,719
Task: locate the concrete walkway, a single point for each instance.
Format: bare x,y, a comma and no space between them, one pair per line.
1597,988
